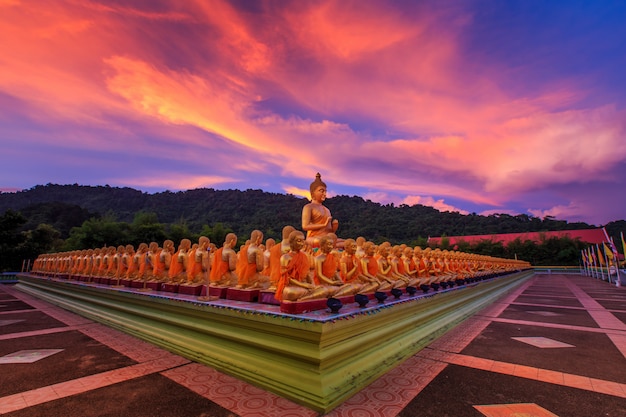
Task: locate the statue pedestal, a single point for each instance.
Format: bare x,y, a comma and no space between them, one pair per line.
195,289
153,285
268,297
169,287
124,282
243,294
297,307
318,359
136,284
219,292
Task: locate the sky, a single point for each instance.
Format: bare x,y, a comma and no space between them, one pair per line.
484,106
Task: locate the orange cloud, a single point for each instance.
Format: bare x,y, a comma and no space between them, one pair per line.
438,204
369,96
174,182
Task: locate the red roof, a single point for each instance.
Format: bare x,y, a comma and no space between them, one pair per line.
585,235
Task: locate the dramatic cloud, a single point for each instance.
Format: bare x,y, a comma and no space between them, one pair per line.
462,106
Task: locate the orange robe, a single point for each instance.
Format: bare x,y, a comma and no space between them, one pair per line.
110,266
422,268
175,267
122,268
193,267
329,268
412,266
372,265
248,272
158,266
143,264
400,266
350,261
132,267
242,261
219,266
297,269
275,253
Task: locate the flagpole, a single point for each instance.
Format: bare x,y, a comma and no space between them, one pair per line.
600,262
618,280
606,262
592,261
618,283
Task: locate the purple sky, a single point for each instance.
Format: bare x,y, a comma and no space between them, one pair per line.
471,106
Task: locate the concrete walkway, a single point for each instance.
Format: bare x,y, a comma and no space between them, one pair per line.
556,346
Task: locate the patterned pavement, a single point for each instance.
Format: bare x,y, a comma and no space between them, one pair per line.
555,346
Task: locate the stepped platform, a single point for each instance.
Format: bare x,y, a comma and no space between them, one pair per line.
316,358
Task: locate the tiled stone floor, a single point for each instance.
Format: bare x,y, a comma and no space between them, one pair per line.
554,313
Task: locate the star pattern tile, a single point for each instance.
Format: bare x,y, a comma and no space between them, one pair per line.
542,342
514,410
7,322
28,356
545,313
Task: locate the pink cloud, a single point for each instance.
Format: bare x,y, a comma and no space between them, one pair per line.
202,78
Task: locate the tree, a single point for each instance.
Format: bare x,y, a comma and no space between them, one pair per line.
217,233
97,233
146,228
10,240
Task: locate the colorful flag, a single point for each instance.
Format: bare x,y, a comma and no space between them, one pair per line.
608,252
600,256
592,255
613,249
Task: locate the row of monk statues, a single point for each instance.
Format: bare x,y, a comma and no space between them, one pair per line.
292,268
300,267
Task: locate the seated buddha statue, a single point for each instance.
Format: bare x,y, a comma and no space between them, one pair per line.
316,218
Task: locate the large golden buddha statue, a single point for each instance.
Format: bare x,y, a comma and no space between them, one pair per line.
316,218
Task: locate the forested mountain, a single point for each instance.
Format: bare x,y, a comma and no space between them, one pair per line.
66,206
54,218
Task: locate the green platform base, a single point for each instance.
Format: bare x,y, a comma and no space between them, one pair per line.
317,362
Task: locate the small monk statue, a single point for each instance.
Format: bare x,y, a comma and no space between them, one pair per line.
276,253
162,267
151,259
351,270
316,218
296,281
198,261
326,271
370,267
111,268
398,269
178,265
126,262
269,244
224,264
